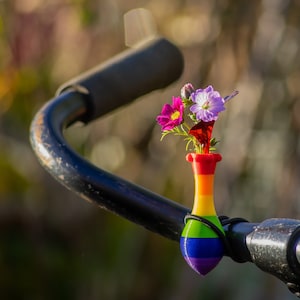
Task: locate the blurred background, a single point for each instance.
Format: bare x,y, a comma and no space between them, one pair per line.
54,245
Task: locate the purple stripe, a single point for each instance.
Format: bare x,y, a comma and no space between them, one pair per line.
202,265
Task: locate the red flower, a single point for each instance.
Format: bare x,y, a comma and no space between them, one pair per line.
202,132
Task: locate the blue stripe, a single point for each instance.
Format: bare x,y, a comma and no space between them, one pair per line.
201,247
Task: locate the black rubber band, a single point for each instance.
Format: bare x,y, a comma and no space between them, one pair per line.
224,221
231,221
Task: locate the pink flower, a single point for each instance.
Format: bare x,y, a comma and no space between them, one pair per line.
171,115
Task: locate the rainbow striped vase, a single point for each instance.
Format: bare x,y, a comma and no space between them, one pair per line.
200,245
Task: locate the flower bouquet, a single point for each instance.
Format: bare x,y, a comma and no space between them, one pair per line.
192,116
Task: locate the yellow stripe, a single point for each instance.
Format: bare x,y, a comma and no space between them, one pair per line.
204,205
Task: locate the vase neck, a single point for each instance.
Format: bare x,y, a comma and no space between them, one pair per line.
204,166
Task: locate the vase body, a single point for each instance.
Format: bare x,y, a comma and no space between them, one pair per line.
200,245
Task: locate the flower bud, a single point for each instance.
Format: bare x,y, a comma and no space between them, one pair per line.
186,91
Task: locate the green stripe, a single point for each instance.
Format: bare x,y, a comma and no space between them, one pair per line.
196,229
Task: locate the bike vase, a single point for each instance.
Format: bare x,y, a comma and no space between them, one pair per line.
200,243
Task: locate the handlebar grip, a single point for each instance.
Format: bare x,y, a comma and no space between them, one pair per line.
127,76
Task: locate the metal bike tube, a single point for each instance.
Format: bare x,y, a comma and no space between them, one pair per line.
110,192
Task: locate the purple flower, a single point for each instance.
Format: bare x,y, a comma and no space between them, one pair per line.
171,115
208,104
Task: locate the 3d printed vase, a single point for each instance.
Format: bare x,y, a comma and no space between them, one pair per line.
200,245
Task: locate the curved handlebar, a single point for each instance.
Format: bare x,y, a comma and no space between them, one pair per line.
127,76
273,245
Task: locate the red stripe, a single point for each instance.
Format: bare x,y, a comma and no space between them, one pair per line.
203,163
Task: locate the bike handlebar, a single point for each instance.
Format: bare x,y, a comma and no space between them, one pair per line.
127,76
273,245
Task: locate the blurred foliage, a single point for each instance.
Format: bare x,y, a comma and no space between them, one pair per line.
54,245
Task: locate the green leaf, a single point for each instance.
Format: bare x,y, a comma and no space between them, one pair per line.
187,102
213,142
193,118
164,134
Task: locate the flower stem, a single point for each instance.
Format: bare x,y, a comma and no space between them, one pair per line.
184,124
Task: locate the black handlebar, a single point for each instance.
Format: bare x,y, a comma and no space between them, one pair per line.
127,76
273,245
76,101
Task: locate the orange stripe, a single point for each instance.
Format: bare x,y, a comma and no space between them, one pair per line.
204,184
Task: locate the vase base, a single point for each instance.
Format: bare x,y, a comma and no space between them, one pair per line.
202,265
202,254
